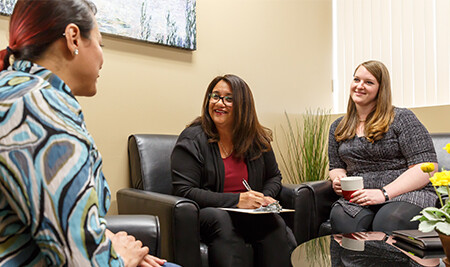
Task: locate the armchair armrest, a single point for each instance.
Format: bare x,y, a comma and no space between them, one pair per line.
144,227
319,197
289,199
179,221
288,195
312,203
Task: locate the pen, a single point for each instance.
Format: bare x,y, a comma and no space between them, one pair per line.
247,186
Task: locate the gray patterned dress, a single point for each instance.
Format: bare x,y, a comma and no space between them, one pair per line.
406,143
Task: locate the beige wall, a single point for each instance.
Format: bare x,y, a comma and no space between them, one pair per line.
282,48
434,118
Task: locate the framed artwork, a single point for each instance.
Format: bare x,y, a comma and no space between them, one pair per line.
166,22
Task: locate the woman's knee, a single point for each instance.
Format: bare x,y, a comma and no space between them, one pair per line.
396,216
338,219
215,222
341,222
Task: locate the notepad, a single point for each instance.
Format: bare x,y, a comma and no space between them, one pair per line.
256,211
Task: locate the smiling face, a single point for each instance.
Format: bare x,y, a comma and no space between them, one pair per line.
221,114
364,88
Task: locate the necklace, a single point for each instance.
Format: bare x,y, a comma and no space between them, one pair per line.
226,154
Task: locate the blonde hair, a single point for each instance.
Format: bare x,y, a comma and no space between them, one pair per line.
380,118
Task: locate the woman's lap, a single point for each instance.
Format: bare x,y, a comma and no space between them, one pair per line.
227,232
396,216
387,217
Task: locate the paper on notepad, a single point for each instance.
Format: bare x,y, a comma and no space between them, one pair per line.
255,211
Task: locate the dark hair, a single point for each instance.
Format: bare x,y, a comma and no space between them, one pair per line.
249,137
36,24
380,118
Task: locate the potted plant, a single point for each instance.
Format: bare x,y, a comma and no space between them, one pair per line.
304,156
433,218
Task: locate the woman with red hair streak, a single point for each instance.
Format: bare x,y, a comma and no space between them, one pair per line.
53,193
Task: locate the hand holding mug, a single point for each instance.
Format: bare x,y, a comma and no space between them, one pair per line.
366,197
336,184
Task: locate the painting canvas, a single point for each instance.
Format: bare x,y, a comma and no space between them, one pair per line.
166,22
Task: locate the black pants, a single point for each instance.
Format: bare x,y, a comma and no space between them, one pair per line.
384,218
226,233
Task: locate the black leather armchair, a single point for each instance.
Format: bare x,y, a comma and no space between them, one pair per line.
151,193
317,197
143,227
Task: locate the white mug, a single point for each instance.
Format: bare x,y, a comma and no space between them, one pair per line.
350,184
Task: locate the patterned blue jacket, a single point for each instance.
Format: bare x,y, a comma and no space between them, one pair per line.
53,193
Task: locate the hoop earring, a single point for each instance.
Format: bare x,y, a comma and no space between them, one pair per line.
75,52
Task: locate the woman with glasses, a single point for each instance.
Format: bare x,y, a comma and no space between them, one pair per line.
213,159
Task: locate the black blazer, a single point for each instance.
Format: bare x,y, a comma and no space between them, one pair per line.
198,172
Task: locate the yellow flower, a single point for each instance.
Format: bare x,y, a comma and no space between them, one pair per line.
433,218
447,147
441,178
427,167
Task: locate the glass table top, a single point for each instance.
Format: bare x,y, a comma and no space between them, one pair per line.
361,249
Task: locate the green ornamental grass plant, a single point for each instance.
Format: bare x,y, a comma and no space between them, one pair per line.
305,155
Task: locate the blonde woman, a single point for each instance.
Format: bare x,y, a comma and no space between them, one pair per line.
385,145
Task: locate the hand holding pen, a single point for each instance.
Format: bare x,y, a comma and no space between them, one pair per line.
250,199
267,200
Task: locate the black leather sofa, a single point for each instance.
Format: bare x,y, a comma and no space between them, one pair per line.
317,197
151,193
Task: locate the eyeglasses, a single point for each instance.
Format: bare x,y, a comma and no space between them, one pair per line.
227,100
